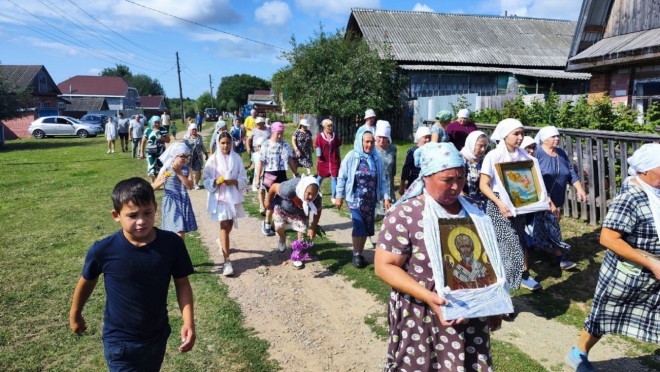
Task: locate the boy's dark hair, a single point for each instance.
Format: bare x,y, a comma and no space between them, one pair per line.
134,190
224,134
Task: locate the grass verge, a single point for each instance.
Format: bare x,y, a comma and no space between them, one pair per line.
56,203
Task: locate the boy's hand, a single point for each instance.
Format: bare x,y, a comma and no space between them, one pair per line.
77,323
188,338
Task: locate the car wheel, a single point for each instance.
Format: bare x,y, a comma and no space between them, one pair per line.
82,133
38,134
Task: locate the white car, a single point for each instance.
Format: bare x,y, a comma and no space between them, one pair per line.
62,126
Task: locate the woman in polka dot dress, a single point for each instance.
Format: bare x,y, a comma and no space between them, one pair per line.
419,338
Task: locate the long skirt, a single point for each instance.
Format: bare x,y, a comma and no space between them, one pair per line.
510,233
178,215
546,233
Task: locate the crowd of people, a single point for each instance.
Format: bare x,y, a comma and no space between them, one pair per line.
448,174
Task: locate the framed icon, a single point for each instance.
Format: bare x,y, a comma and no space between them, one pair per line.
520,180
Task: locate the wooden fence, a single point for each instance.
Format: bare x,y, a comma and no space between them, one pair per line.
602,157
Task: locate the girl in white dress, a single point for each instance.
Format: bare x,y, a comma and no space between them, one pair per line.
111,135
224,179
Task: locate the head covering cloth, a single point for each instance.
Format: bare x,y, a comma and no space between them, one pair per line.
444,115
436,157
229,167
527,141
463,113
359,149
383,129
303,184
154,119
170,154
643,160
191,126
470,142
545,133
422,132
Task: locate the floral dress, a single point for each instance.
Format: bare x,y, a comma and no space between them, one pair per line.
471,188
304,145
417,340
364,199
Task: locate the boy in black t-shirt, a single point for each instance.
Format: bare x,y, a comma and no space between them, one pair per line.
137,263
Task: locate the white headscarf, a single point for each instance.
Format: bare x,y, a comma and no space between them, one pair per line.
544,134
644,159
170,154
422,132
303,184
503,129
470,142
383,129
191,126
229,167
527,141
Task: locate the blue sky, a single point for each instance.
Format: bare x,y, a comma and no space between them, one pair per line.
75,37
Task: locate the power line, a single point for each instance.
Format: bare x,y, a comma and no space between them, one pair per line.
80,43
114,32
99,37
205,26
191,70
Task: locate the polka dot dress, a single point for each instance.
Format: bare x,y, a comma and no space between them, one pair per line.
417,340
510,234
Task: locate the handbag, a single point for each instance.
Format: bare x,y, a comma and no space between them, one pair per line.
269,179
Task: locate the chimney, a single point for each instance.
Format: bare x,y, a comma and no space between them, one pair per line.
505,12
69,88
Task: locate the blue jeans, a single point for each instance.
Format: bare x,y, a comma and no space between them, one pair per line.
138,355
333,184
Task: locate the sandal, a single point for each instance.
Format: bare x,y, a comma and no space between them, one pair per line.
262,211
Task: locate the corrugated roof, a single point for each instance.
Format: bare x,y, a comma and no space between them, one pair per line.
87,104
467,39
20,75
634,43
94,86
151,101
260,97
549,74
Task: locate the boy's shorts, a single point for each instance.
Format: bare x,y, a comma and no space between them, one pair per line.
138,355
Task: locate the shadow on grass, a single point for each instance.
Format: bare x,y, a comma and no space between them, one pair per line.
620,364
50,143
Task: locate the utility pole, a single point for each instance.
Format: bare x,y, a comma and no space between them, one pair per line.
178,71
211,89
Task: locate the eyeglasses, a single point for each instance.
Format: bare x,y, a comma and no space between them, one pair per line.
184,157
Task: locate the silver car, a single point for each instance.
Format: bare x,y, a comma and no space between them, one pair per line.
62,126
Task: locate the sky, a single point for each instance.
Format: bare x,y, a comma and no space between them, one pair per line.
213,37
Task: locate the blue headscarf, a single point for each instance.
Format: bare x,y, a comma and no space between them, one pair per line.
432,158
153,119
359,150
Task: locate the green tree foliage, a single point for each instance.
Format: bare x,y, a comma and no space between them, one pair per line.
13,99
174,106
599,114
204,101
145,85
236,88
340,75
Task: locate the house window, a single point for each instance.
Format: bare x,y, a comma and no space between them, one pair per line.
646,93
61,105
428,85
43,84
44,104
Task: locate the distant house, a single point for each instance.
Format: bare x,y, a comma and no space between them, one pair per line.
44,91
118,93
153,105
618,42
79,106
449,54
263,101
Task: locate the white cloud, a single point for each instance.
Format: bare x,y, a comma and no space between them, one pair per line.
419,7
201,11
94,71
334,8
273,13
58,47
555,9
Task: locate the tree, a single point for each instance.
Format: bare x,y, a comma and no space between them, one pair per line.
13,99
203,101
237,87
339,75
145,85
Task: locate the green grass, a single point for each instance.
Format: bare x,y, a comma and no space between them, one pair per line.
56,202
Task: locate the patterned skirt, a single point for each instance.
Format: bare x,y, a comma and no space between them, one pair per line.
510,233
546,233
626,302
178,215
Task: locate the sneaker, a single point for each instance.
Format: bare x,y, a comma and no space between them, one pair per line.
281,246
112,151
358,261
227,269
271,232
264,230
108,151
567,264
579,363
530,284
262,211
297,264
333,201
368,244
196,187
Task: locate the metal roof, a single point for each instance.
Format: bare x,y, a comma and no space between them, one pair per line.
549,74
149,102
104,86
23,75
466,39
87,104
642,41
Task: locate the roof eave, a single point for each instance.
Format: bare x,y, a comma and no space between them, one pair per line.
586,64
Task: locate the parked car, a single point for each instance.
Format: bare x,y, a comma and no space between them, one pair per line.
63,126
143,119
97,119
210,114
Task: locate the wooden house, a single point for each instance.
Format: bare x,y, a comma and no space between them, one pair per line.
618,42
449,54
